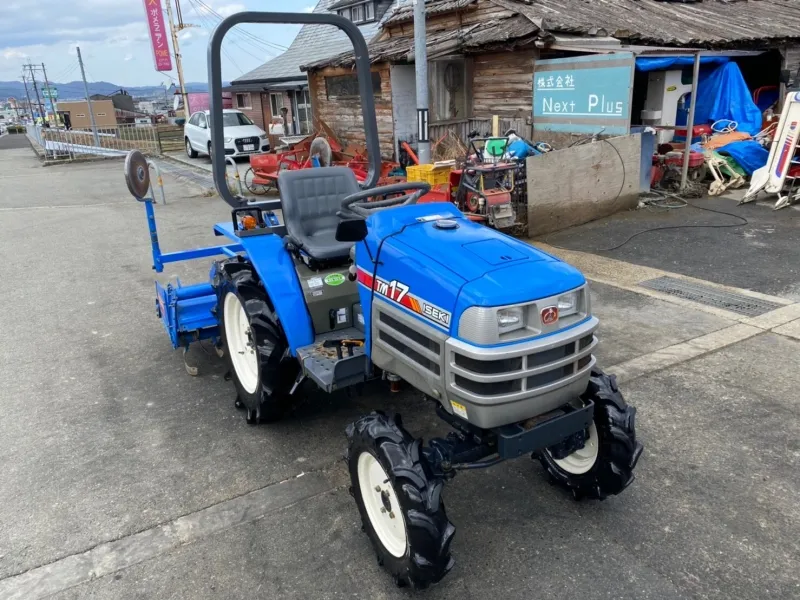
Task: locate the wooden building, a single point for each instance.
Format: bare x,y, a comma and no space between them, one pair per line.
279,89
481,55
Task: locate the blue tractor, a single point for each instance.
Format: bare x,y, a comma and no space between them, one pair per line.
338,283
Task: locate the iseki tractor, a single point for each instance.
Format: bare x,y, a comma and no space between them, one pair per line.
337,283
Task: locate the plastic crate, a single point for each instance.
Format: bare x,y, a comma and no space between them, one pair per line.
429,174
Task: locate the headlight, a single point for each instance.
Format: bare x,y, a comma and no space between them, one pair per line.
567,304
510,319
263,136
487,325
228,140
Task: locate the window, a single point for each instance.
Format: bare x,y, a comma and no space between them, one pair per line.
276,103
364,12
201,120
303,104
343,86
447,80
235,119
101,114
243,101
81,116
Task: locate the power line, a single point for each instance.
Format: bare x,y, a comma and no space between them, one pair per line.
208,23
255,40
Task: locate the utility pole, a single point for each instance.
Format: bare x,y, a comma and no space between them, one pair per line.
27,94
50,92
88,98
176,49
421,64
42,112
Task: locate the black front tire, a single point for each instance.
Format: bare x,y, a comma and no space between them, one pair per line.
429,533
618,450
277,370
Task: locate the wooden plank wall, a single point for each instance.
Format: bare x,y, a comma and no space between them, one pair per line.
343,115
503,84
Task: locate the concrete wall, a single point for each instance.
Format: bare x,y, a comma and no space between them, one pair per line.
583,183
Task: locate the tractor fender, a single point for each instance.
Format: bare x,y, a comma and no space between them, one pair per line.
276,269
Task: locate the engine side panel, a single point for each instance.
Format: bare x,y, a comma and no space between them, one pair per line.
420,287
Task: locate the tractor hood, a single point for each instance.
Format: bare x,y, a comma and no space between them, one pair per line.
493,269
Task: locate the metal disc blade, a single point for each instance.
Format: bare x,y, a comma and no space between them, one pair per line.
137,174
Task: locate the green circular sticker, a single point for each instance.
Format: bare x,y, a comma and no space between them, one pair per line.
334,279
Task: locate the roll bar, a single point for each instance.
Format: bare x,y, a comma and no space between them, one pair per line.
215,80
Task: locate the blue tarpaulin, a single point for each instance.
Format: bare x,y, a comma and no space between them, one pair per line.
723,94
644,63
750,155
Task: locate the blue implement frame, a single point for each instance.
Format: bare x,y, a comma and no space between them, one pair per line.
161,258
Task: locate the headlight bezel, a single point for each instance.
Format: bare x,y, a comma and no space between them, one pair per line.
480,324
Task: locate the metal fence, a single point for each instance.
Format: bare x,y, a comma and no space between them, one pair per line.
482,125
109,141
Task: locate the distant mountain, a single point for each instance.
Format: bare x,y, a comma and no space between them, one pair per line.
73,90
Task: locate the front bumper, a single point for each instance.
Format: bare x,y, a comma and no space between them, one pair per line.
237,147
501,385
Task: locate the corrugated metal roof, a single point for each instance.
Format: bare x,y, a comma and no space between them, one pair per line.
313,42
709,23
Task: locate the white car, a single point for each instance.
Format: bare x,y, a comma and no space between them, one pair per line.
242,136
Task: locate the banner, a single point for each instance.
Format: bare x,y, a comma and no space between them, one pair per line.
158,35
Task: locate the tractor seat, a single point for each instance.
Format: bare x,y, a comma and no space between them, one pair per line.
310,199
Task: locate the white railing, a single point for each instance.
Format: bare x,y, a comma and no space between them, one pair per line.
109,141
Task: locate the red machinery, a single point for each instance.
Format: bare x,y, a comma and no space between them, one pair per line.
486,183
262,176
666,173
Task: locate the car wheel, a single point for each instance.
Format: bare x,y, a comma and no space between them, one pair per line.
208,150
190,152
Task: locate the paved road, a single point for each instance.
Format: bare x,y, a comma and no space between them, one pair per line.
752,247
16,140
125,478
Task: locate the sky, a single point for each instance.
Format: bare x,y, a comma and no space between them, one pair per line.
114,40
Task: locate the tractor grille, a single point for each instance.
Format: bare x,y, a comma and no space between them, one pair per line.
240,142
409,342
526,373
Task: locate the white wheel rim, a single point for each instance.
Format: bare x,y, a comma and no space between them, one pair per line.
581,461
188,147
377,492
241,344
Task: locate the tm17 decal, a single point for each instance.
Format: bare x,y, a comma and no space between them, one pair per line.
400,293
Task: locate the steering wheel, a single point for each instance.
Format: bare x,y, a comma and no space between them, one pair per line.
358,204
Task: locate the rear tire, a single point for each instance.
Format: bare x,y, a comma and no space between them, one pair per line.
190,152
254,344
604,466
399,501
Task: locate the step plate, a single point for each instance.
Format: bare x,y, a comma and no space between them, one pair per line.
711,296
326,369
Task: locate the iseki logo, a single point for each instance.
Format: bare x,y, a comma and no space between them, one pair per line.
549,315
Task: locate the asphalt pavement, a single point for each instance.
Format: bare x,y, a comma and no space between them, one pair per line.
125,478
